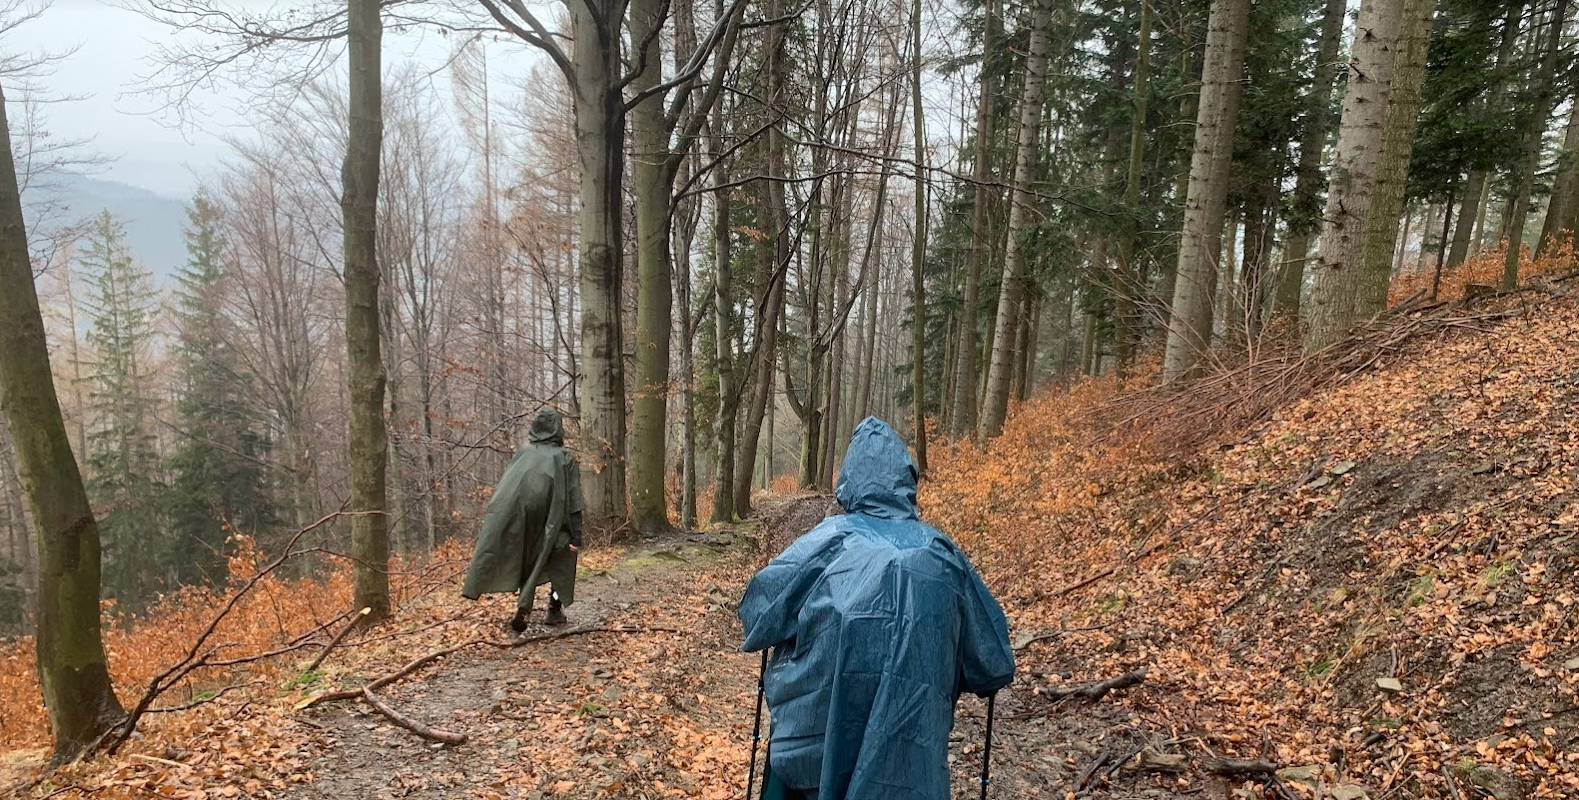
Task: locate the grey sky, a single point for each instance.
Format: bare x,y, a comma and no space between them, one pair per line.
149,150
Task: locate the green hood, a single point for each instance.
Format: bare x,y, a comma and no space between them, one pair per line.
548,428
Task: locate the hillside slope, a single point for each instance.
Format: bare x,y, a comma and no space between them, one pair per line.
1375,587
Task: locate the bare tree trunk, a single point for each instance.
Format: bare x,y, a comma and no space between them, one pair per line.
918,248
996,405
1524,175
653,188
1305,219
1365,198
600,136
771,274
962,417
1402,118
1477,190
369,435
1129,283
1190,329
71,662
1561,209
1474,188
724,322
1441,253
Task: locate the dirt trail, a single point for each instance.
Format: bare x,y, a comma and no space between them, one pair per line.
659,713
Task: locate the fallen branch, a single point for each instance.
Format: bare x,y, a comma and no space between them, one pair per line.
156,760
202,700
425,731
422,661
1097,690
1233,766
1090,772
1452,785
355,621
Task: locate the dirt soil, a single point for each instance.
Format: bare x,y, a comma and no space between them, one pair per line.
655,713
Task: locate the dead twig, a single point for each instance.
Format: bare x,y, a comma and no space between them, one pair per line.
425,731
195,657
202,700
1234,766
349,626
1097,690
422,661
1087,774
1452,785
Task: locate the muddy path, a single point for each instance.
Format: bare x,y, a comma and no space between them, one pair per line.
664,711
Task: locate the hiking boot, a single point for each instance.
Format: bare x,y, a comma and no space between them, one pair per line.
518,622
556,614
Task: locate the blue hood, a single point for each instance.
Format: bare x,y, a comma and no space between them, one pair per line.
878,478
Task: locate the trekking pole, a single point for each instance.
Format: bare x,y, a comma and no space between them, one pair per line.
756,727
986,751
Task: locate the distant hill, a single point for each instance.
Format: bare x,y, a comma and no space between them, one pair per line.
153,221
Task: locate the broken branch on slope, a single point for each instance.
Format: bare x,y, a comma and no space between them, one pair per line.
422,661
425,731
1096,690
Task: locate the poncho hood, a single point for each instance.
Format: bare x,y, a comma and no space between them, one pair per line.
548,428
878,477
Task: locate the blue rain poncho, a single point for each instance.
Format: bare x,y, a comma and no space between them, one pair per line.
878,623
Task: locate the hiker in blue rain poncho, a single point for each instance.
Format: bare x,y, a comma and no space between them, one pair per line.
532,531
878,623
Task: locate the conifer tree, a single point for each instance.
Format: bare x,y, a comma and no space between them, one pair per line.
122,456
217,481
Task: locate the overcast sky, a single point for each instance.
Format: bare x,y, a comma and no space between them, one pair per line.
114,46
148,149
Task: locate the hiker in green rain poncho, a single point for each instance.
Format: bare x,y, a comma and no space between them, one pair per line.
532,531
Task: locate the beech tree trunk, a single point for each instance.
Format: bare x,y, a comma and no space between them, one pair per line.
653,184
600,138
1190,328
365,366
72,667
724,322
995,405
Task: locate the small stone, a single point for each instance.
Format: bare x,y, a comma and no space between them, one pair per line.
1482,468
1184,566
1319,482
1306,775
1343,467
1572,663
1348,791
1389,685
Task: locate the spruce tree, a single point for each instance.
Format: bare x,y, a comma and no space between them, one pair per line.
122,456
217,483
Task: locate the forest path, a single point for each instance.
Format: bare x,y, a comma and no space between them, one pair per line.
665,711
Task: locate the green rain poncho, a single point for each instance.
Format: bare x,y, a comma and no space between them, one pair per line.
525,537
